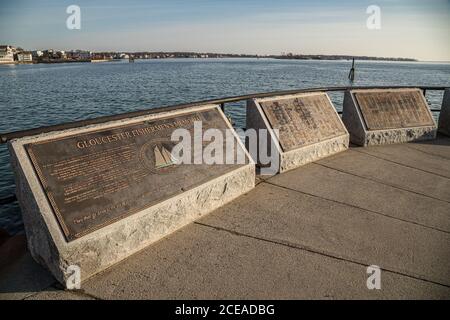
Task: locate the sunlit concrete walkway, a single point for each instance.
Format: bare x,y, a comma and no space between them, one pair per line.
308,233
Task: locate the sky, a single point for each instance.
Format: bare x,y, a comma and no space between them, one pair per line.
408,28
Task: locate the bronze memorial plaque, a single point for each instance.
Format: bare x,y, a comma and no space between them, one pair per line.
393,109
303,120
97,178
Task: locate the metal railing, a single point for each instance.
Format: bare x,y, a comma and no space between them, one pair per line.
5,137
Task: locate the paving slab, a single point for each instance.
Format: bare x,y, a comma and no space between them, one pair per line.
439,147
389,173
410,157
367,194
306,234
293,218
200,262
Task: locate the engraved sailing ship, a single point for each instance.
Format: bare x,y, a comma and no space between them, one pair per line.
163,158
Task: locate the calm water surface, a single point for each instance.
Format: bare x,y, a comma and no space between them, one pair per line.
37,95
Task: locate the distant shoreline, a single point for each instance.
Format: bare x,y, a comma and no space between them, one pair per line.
303,58
341,57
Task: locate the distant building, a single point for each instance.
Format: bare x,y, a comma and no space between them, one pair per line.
61,54
25,57
49,54
37,54
6,54
80,55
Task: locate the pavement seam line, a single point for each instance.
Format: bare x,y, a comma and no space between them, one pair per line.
427,153
325,254
400,164
357,207
57,286
380,182
36,293
81,293
84,294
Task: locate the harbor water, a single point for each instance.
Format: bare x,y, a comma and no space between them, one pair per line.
46,94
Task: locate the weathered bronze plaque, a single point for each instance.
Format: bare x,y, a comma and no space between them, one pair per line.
303,120
393,109
97,178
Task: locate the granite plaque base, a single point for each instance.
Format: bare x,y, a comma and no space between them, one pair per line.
385,116
444,116
93,196
308,126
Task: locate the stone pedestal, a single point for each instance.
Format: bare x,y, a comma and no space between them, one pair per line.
308,127
93,196
444,116
384,116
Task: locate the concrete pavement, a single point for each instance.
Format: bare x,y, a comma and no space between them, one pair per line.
306,234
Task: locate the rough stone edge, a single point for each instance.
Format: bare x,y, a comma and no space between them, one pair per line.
299,157
92,252
444,116
359,134
392,136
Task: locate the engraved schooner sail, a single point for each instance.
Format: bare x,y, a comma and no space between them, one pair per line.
163,158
